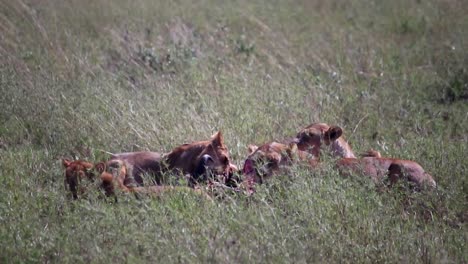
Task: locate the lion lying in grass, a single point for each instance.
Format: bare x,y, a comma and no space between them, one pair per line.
271,158
197,161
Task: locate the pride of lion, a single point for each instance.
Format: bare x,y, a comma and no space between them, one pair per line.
206,164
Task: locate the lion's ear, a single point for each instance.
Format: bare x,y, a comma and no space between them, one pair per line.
100,167
217,139
252,148
66,162
333,133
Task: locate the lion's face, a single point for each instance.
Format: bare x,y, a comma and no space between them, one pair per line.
264,161
313,137
214,161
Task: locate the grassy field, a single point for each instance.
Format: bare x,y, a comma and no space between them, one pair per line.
78,76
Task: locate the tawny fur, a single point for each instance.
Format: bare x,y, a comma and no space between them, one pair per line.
270,158
314,137
380,168
125,170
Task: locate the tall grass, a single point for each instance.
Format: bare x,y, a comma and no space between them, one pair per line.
79,76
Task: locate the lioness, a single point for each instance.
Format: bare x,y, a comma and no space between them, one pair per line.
79,170
371,163
271,158
76,171
201,159
128,168
314,136
197,161
109,182
274,156
379,169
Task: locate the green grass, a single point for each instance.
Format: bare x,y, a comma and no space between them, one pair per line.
79,76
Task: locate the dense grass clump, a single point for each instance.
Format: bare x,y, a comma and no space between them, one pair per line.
77,77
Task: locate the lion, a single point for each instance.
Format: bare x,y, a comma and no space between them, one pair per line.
380,169
313,137
75,172
112,175
269,159
198,161
201,160
370,163
264,161
109,182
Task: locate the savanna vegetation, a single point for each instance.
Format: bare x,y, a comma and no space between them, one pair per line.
81,76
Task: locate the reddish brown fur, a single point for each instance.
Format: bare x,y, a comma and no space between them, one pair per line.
128,168
125,170
191,159
75,172
113,173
